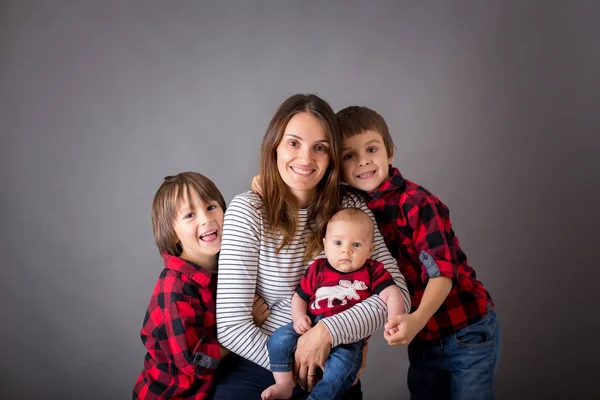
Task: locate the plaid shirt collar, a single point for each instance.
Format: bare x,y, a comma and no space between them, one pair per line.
394,183
198,274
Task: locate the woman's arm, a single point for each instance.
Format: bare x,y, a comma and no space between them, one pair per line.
238,270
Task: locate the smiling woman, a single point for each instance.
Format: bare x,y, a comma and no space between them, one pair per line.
268,242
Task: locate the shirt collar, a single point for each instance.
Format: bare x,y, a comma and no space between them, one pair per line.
394,183
195,272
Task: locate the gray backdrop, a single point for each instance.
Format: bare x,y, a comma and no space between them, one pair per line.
493,105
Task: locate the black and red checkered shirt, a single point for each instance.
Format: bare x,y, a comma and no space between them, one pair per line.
417,230
180,334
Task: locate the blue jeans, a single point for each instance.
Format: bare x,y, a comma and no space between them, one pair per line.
458,366
341,367
238,378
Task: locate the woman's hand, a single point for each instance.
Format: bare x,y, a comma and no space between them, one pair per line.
260,310
312,352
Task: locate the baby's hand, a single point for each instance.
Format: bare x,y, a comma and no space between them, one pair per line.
302,324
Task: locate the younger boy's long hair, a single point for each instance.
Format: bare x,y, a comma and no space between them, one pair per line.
355,120
281,207
167,200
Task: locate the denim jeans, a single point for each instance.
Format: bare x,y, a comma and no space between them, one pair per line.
458,366
241,379
341,367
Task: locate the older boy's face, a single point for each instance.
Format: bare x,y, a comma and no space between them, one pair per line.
198,227
348,244
365,161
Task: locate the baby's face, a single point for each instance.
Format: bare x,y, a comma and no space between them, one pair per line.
365,161
348,244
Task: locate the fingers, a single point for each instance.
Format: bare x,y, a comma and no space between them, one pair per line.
314,376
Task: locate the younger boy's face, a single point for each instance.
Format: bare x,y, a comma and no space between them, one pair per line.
198,227
348,244
365,161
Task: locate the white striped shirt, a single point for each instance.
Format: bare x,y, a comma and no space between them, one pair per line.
248,263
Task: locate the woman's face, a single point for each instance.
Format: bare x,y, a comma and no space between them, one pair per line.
303,156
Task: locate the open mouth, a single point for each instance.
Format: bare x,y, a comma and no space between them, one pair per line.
366,175
209,236
302,171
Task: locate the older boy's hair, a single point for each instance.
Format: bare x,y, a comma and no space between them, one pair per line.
353,214
167,201
355,120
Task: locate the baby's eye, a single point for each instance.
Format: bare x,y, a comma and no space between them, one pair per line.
337,242
372,150
347,156
356,244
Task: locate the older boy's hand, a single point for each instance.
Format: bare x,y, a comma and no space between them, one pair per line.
402,329
260,310
312,352
302,324
256,185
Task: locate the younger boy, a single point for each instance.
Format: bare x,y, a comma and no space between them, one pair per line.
330,286
179,328
453,330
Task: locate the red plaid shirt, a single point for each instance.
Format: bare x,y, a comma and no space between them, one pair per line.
416,228
180,334
370,279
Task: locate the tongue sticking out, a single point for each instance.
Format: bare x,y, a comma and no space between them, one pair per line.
209,238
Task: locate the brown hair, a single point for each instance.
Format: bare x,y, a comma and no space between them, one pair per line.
166,203
355,120
281,207
354,214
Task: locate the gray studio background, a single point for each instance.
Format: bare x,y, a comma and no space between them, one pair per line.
494,106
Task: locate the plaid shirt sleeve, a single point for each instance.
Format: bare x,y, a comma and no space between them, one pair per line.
432,232
192,353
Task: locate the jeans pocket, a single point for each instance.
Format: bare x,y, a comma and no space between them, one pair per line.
479,334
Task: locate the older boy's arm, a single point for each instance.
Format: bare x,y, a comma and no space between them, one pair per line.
406,327
186,341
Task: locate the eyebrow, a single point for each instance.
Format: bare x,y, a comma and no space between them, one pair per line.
366,144
299,138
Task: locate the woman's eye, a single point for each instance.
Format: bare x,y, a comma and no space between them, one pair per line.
293,143
320,148
188,215
211,207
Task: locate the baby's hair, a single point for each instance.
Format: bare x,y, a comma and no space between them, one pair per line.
355,215
167,200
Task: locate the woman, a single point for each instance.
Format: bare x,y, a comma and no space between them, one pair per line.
269,240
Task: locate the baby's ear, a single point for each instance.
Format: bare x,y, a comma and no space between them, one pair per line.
372,248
